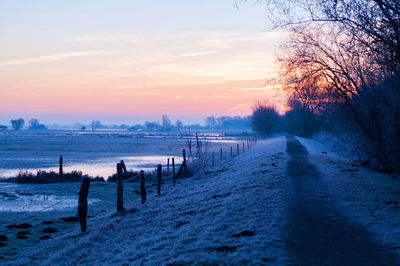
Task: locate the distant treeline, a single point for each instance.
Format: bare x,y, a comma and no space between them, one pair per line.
18,124
211,123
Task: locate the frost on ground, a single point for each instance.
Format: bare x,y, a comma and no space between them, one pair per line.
233,214
368,198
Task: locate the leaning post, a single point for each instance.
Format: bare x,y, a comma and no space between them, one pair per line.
124,172
83,203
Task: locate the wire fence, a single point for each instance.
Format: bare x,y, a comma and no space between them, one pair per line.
210,159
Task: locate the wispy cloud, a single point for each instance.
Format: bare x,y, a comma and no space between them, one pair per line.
56,57
198,53
240,106
199,38
253,89
177,98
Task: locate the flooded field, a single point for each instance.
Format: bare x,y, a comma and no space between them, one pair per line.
32,213
94,153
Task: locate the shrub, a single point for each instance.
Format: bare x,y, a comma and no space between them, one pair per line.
43,177
377,114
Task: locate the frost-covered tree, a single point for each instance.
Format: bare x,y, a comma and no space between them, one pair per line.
152,125
35,125
210,122
166,122
17,124
97,125
179,125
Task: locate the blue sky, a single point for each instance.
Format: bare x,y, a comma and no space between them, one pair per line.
76,60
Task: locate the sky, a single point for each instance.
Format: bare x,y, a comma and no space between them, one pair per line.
129,61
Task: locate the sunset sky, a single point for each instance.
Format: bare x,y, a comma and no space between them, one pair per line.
130,61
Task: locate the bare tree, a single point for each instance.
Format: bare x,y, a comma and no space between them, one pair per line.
352,48
371,26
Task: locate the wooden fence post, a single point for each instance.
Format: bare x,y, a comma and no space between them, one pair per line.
83,203
198,145
248,147
243,147
220,150
142,186
159,174
168,165
125,174
237,146
178,174
60,169
173,170
184,162
231,152
212,165
120,189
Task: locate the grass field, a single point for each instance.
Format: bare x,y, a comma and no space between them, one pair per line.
46,209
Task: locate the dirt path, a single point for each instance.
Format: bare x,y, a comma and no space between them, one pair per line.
317,233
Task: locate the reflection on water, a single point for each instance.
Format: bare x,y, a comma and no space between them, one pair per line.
103,167
222,140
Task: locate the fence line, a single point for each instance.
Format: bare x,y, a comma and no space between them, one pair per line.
121,171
